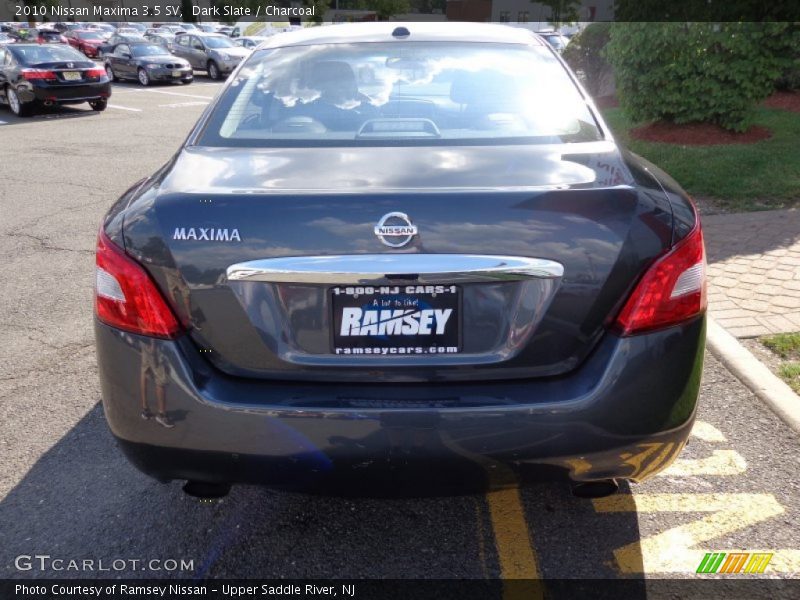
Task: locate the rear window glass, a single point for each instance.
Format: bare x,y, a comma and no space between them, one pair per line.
399,94
33,55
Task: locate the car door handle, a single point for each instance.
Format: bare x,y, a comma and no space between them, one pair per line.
384,268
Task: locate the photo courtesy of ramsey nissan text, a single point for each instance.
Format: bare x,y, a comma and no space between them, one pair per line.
431,299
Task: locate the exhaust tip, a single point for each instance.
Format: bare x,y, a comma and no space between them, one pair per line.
595,489
205,490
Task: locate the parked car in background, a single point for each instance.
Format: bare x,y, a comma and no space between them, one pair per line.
171,27
225,30
211,52
107,28
116,39
127,31
48,74
86,40
250,41
146,63
140,27
402,273
68,26
6,39
46,35
556,40
165,39
208,27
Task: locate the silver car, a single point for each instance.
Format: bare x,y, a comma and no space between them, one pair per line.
211,52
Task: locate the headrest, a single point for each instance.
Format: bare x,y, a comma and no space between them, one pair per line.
335,81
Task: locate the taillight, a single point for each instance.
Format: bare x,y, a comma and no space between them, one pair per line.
672,290
125,295
97,72
31,74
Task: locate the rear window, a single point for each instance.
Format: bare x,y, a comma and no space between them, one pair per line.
399,94
147,50
33,55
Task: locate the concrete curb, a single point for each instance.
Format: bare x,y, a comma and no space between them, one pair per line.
754,374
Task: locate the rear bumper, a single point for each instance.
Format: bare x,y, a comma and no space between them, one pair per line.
625,413
65,94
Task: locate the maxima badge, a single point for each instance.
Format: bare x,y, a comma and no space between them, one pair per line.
395,229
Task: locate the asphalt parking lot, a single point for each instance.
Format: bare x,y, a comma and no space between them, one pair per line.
65,491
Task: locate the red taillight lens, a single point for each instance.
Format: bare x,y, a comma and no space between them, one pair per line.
672,290
31,74
96,72
126,297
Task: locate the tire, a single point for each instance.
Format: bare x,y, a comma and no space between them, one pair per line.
14,103
99,105
110,73
187,81
213,70
143,77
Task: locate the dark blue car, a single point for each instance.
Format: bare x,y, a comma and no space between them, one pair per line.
396,254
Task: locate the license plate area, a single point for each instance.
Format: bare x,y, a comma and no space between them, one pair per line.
396,320
176,74
71,75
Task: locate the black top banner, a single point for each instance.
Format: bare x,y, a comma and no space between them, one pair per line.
517,12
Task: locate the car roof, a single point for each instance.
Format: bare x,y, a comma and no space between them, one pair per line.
347,33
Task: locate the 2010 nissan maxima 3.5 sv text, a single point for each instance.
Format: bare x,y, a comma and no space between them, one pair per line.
401,249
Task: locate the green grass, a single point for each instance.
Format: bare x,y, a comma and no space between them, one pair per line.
790,373
787,346
738,177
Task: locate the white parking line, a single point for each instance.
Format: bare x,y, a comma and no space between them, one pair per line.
182,104
175,94
124,108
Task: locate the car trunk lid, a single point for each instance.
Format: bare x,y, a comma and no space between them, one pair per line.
252,248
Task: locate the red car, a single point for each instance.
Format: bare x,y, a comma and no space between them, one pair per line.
86,41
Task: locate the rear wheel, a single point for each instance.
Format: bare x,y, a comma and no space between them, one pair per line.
99,105
144,78
213,70
14,103
110,73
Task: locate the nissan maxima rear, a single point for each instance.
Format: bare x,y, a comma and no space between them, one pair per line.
401,250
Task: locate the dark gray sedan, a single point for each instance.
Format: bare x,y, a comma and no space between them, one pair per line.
146,63
391,255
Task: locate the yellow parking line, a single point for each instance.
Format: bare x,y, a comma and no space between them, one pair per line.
675,550
721,462
707,432
512,535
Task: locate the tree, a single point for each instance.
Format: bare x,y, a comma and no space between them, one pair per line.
698,72
561,11
385,9
320,8
31,3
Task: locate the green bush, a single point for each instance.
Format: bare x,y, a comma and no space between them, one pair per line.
584,54
698,72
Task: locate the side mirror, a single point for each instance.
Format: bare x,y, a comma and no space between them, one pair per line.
126,55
